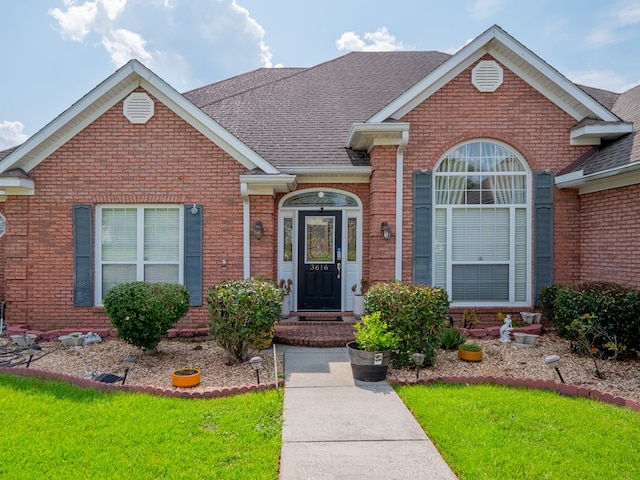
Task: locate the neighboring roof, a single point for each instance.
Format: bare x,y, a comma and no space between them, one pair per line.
606,98
621,157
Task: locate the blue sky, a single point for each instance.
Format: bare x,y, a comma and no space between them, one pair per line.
55,51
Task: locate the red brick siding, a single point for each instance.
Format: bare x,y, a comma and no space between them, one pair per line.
608,245
383,209
114,161
360,190
515,114
264,252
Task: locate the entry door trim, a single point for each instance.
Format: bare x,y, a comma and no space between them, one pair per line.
287,264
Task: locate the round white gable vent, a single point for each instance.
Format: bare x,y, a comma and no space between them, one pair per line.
138,107
486,76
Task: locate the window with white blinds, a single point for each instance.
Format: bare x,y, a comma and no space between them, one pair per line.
138,243
481,226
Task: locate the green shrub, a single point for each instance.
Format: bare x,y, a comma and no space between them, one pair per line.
415,313
143,312
546,299
373,335
241,312
615,307
451,339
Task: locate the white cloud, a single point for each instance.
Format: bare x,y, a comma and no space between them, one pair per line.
166,35
113,8
629,15
75,23
123,45
256,30
618,26
11,134
482,9
379,41
605,79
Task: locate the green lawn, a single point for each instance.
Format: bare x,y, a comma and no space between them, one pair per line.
52,430
56,431
493,432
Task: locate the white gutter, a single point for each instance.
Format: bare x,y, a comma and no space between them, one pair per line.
578,178
246,237
399,206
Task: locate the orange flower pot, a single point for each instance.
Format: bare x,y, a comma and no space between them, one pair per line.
185,377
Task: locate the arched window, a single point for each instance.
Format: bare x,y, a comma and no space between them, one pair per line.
482,224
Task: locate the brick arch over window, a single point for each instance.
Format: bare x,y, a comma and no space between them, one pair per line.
472,228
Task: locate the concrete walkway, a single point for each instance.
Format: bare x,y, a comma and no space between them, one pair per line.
338,428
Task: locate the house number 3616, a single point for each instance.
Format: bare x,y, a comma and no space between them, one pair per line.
318,268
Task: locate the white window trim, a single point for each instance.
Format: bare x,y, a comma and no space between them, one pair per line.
140,243
528,206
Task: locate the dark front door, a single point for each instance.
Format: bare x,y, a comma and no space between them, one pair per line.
319,260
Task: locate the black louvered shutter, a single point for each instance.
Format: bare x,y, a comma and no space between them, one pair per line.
422,214
193,253
542,231
82,256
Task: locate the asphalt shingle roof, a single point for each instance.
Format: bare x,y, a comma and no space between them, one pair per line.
302,117
626,150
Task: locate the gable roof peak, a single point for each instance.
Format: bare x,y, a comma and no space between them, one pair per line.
516,57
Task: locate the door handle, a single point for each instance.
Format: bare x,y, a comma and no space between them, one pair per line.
339,261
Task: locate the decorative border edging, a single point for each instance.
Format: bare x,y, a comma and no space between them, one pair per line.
215,392
539,384
105,333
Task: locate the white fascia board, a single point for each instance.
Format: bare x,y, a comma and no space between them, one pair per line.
604,180
206,125
569,180
331,174
17,186
426,87
49,131
363,136
475,50
266,184
591,133
556,77
128,78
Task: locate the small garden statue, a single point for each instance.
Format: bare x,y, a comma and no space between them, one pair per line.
505,330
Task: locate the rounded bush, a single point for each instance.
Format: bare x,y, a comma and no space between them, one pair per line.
241,312
143,312
415,313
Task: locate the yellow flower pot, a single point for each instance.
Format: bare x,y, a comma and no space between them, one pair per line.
468,356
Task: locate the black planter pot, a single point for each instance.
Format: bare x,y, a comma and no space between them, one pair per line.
368,366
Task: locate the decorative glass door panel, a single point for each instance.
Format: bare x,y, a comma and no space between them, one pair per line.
320,265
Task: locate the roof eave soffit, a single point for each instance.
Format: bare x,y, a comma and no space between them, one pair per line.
594,134
365,136
514,56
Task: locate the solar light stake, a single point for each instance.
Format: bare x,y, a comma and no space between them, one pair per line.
418,359
128,363
256,364
553,361
33,350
